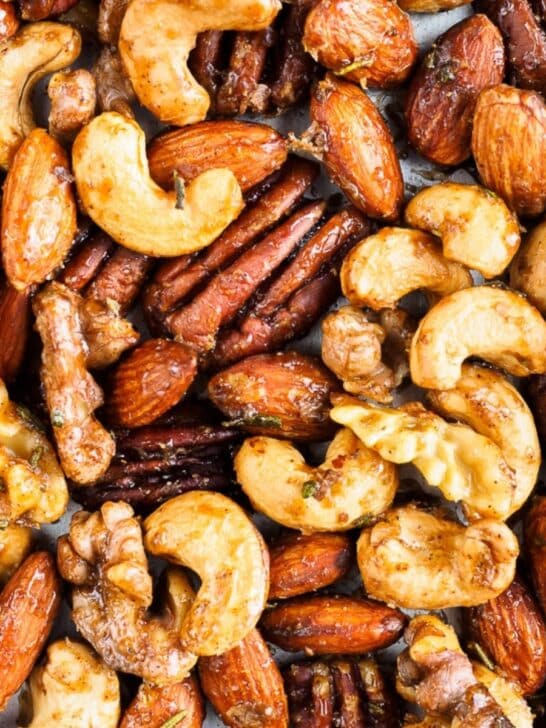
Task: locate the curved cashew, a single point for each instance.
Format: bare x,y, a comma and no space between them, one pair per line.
213,536
485,400
73,689
492,323
36,50
117,192
352,485
463,464
528,270
156,57
394,262
419,560
476,227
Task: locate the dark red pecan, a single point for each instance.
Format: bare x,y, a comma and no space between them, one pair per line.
205,61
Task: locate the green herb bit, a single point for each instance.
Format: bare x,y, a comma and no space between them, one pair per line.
4,523
36,456
180,189
364,521
364,62
57,418
480,652
29,418
446,74
309,488
255,421
175,720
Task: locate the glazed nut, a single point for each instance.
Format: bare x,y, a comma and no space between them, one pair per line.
15,313
115,188
284,395
73,99
528,271
154,706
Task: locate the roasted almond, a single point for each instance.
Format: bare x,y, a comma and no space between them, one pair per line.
251,151
324,625
9,22
515,171
38,211
14,329
245,686
154,707
302,563
28,605
367,41
462,62
148,382
357,147
279,395
535,543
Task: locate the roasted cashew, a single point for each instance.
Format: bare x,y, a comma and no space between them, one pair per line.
213,536
492,323
36,50
384,267
352,485
155,57
528,270
485,400
419,560
463,464
117,192
476,227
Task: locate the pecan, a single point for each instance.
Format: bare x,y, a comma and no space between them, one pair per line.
205,60
9,22
42,9
114,90
14,329
86,261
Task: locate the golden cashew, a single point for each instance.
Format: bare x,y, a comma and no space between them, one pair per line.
485,400
418,560
384,267
73,689
117,192
492,323
352,485
528,269
463,464
476,227
15,546
155,41
36,50
213,536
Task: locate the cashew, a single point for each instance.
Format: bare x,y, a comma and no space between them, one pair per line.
211,535
463,464
394,262
36,50
486,401
15,546
528,269
352,485
117,192
492,323
420,560
73,689
155,56
476,228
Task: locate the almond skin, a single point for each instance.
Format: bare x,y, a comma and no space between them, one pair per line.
278,395
29,604
14,329
148,382
301,563
367,41
326,625
512,632
535,545
245,686
251,151
357,148
444,91
153,706
516,172
38,211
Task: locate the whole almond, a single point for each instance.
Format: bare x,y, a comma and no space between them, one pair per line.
245,686
515,171
535,546
14,329
148,382
327,625
511,630
280,395
154,706
443,93
38,211
29,604
367,41
301,563
357,147
251,151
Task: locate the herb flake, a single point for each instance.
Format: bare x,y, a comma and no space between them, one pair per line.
175,720
180,189
255,421
35,456
57,418
309,489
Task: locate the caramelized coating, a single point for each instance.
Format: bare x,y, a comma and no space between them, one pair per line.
114,90
154,706
73,99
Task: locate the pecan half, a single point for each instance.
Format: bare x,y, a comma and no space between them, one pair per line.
114,90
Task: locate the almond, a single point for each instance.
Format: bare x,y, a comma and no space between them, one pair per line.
357,148
28,605
279,395
367,41
462,62
14,329
38,211
535,544
511,630
154,706
324,625
148,382
302,563
251,151
245,686
515,171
